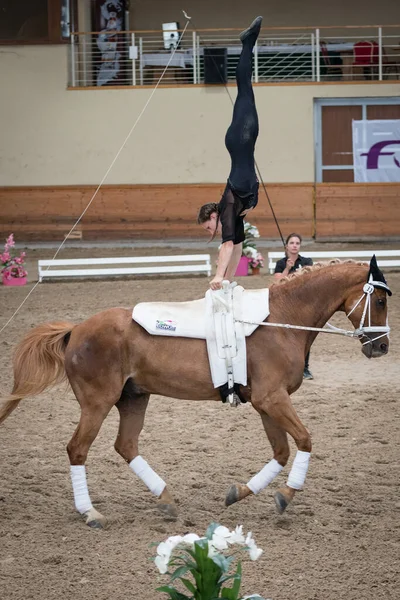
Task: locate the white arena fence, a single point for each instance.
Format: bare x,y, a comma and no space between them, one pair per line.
364,255
105,267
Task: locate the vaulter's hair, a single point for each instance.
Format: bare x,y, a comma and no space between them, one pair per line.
206,211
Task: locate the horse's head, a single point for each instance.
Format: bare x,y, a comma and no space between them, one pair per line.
368,312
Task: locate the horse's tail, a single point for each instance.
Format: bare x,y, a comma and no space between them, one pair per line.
38,363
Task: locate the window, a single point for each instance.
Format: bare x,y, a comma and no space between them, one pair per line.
35,21
334,136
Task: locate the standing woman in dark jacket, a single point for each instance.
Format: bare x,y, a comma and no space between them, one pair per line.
289,264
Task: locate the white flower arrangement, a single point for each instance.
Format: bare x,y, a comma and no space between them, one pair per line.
249,249
203,558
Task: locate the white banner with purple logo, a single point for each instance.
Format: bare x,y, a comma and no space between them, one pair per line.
376,151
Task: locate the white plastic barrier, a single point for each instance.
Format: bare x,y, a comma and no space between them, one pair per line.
366,255
148,265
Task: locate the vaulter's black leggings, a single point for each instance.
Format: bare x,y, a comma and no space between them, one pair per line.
242,134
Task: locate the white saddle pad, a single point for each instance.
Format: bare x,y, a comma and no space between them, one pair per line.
216,318
188,319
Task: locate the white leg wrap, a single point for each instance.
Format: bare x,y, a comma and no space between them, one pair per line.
265,476
79,486
149,477
297,475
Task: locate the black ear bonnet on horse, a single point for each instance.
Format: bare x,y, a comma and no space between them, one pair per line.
376,275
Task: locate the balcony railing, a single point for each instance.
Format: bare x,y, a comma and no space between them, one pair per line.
128,58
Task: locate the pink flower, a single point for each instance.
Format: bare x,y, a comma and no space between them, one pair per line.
10,240
12,265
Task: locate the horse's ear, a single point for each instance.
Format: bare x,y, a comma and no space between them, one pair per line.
375,274
374,271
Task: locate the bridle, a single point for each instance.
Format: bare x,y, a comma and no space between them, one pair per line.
363,330
360,332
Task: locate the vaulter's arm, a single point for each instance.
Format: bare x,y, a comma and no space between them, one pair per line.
230,252
234,261
228,260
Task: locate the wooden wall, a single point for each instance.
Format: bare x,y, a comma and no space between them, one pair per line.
357,211
325,211
140,212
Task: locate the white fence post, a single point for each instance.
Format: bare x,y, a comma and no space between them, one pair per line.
256,63
194,57
133,60
198,59
73,75
313,57
380,76
141,60
317,54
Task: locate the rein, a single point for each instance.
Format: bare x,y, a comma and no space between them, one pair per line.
358,333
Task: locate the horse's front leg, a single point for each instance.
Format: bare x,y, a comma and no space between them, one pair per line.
282,419
278,439
279,407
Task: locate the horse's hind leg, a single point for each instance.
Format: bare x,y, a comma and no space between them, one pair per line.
90,422
279,443
132,409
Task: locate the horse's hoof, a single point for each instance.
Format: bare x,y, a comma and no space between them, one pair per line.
232,496
169,511
281,502
95,520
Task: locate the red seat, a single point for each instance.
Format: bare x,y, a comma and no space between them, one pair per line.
366,53
366,57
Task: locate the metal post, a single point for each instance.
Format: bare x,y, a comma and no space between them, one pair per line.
73,75
317,54
313,56
85,60
141,60
380,76
133,61
256,63
198,59
194,57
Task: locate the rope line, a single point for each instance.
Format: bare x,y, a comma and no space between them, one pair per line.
103,179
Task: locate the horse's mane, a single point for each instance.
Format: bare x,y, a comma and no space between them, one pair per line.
315,267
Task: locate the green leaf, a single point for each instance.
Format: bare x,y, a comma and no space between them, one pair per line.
238,581
179,572
201,553
210,530
173,593
189,585
229,594
222,562
226,578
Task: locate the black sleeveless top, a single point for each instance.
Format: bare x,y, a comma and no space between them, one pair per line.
232,204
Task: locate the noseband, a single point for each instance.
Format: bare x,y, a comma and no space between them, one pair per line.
362,330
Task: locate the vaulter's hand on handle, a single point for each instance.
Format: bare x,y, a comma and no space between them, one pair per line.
216,283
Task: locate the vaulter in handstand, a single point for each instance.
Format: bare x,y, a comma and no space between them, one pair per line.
241,192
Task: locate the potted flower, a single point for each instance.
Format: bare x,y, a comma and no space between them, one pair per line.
204,566
251,257
13,271
256,262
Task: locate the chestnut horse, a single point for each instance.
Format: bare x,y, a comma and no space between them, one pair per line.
111,360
